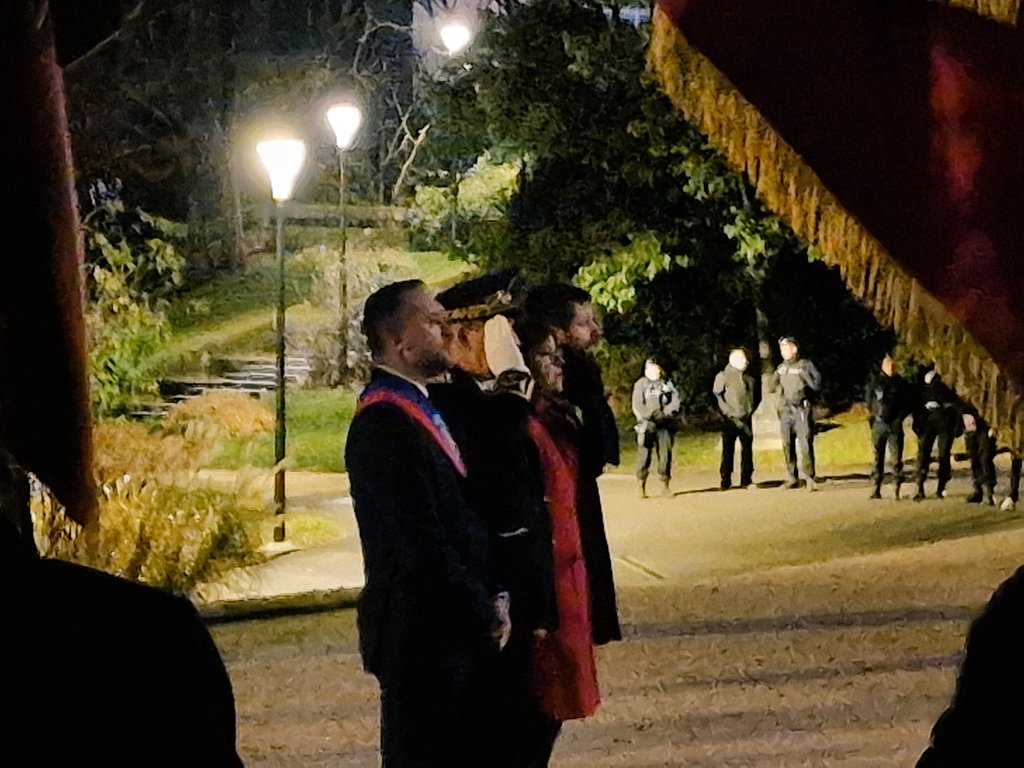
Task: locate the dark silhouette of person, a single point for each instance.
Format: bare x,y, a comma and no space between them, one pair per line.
102,671
981,728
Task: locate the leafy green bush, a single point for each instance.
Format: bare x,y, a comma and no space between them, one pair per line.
131,268
159,522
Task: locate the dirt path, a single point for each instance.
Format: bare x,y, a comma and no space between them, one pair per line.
729,659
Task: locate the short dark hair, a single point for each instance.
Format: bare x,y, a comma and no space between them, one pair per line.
384,312
554,305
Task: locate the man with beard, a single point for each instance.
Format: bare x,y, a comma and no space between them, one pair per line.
571,318
428,614
485,402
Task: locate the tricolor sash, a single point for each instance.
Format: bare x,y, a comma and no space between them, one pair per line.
432,423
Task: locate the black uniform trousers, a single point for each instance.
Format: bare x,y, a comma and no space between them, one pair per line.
887,435
937,430
657,441
733,430
797,428
981,447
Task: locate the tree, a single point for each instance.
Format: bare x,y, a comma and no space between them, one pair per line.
618,190
163,105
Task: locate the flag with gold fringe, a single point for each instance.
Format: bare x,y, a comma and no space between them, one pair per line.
888,134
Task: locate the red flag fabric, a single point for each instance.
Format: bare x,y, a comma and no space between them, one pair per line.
910,114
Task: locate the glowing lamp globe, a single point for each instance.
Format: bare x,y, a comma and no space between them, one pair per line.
283,159
456,36
344,120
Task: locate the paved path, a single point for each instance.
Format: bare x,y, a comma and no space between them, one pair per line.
730,659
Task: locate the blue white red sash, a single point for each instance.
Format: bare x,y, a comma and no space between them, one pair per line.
421,413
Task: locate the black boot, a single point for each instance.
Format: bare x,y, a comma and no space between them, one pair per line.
920,492
877,493
975,498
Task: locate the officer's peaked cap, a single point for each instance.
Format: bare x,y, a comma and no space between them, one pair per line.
479,298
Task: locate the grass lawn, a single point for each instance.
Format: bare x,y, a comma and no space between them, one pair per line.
318,422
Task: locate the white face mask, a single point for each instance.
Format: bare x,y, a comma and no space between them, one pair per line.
738,360
652,372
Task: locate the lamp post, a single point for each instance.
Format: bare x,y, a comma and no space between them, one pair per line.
456,36
283,159
344,120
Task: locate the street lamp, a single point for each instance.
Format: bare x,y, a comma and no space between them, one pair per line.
344,120
283,159
456,36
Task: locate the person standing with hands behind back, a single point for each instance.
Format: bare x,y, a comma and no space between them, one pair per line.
797,380
655,404
737,396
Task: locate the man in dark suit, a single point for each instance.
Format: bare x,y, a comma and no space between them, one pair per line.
567,312
428,613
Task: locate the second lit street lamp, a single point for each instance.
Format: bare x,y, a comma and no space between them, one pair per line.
283,159
344,120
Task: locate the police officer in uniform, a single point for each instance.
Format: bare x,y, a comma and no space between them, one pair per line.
737,395
980,441
656,406
934,423
797,381
889,403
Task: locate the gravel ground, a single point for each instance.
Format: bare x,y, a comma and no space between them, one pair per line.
845,662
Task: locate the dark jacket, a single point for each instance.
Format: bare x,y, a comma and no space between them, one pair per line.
889,398
425,550
797,382
599,445
937,408
101,671
505,485
736,393
583,387
656,404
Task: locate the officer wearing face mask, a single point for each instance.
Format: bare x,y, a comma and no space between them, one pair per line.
655,404
736,393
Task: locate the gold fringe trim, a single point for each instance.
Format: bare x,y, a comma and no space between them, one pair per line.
793,191
1003,11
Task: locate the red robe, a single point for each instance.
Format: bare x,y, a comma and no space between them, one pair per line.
563,667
